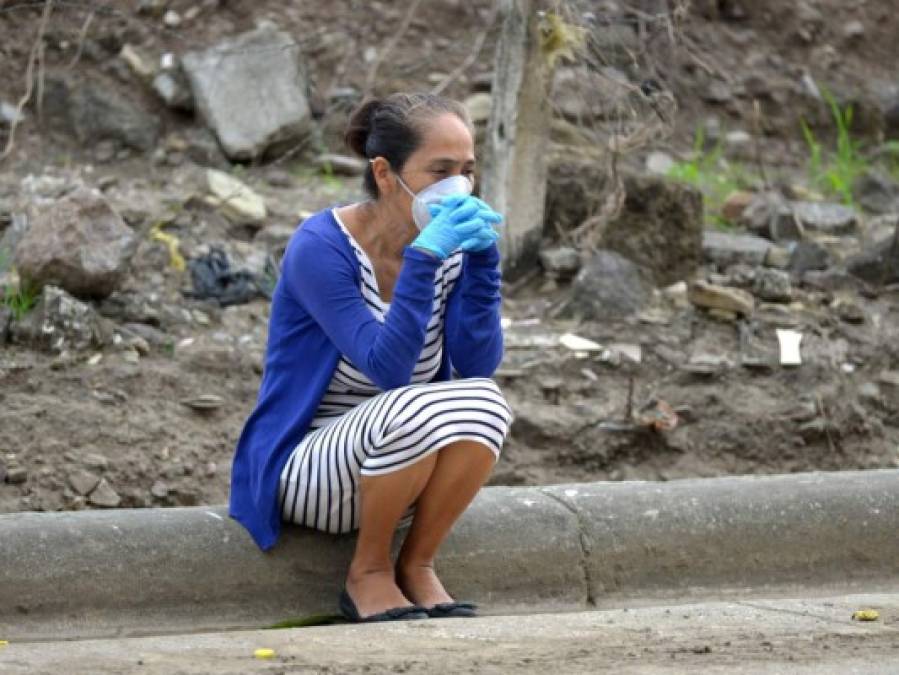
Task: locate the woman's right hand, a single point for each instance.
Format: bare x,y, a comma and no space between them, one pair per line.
459,222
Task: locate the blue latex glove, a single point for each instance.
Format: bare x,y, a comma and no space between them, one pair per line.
454,221
486,235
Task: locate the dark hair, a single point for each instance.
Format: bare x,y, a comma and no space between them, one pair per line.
392,128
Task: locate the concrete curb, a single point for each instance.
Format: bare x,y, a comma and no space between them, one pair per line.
101,573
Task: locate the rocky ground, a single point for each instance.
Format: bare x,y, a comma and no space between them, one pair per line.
655,356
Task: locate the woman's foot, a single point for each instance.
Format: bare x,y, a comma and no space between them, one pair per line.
374,591
420,584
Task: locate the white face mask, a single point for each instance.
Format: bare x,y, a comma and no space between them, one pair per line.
433,194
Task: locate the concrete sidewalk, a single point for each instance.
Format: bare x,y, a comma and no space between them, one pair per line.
558,548
761,636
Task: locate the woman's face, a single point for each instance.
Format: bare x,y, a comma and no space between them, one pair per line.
447,149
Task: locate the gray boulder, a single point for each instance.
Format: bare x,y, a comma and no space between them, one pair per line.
95,112
251,90
80,243
60,323
609,286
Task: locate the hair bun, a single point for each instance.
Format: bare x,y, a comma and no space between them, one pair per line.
360,125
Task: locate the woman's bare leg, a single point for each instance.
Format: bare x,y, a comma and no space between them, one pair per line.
370,580
460,471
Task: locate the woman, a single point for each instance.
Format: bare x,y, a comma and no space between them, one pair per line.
358,421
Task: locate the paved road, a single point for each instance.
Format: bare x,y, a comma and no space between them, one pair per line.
812,635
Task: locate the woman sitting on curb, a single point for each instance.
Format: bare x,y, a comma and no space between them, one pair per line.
359,423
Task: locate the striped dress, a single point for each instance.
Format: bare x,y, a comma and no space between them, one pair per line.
359,429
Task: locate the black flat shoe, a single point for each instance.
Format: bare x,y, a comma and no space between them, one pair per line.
349,611
444,610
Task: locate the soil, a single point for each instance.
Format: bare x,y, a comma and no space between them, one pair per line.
126,421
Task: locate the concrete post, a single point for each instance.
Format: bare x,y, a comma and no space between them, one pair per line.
515,157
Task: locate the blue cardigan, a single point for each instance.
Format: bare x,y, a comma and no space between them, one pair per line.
317,314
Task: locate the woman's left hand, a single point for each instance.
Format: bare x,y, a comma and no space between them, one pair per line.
485,236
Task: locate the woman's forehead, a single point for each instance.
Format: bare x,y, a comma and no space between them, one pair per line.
446,137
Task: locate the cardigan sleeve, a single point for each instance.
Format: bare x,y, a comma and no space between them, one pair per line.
474,334
323,281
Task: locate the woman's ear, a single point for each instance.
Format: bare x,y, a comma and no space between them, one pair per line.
384,177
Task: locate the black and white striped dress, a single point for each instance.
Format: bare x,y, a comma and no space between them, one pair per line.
360,430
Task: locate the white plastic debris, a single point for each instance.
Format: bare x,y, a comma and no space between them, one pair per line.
578,344
789,347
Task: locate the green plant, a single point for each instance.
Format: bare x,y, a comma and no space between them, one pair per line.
18,299
713,175
835,172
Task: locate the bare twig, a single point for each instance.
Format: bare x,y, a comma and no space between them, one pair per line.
404,26
472,56
82,35
35,57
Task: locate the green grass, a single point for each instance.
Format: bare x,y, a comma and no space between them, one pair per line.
18,299
892,158
713,175
834,172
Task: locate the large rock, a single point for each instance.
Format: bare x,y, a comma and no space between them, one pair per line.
609,286
96,112
79,243
659,226
251,90
60,323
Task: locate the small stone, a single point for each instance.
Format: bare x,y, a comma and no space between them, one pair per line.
560,263
138,64
853,29
778,257
104,495
726,249
711,296
16,475
772,285
735,204
95,461
236,200
808,255
849,311
159,490
343,165
825,217
478,106
171,19
659,163
211,469
83,481
869,391
279,178
204,402
738,138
